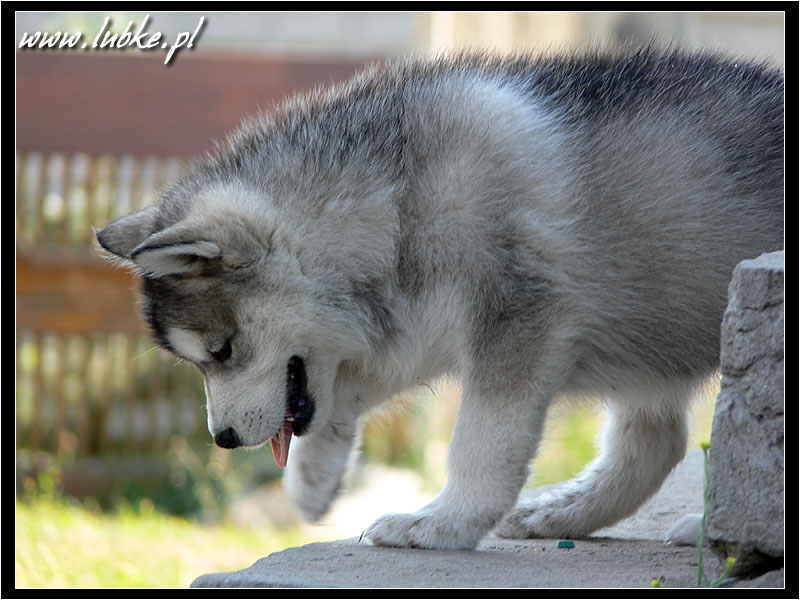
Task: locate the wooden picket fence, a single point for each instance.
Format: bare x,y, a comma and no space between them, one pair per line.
88,378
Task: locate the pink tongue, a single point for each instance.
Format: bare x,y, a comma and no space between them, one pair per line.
280,443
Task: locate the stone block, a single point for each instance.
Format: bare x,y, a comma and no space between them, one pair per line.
746,485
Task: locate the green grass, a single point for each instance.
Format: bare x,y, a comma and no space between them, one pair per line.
62,545
702,577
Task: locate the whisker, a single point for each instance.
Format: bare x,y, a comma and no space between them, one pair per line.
145,353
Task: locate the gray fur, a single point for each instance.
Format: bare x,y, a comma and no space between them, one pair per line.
536,227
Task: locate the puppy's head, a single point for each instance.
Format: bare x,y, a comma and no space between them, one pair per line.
257,297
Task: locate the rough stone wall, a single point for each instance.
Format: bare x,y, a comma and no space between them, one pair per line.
746,487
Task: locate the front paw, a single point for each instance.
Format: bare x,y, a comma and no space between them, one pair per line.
311,483
306,492
425,529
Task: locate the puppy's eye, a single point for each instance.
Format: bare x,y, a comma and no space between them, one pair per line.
224,353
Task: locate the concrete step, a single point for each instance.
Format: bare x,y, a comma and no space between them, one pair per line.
629,554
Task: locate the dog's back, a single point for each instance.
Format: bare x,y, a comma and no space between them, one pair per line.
626,187
680,162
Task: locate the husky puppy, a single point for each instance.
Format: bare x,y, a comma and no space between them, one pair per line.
535,226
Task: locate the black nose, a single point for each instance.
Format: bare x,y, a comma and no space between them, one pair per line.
227,438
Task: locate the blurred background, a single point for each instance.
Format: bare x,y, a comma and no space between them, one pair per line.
118,483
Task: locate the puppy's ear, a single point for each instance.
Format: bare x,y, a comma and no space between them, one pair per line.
177,250
174,250
185,248
126,233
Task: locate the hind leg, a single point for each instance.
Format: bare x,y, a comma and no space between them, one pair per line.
639,449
